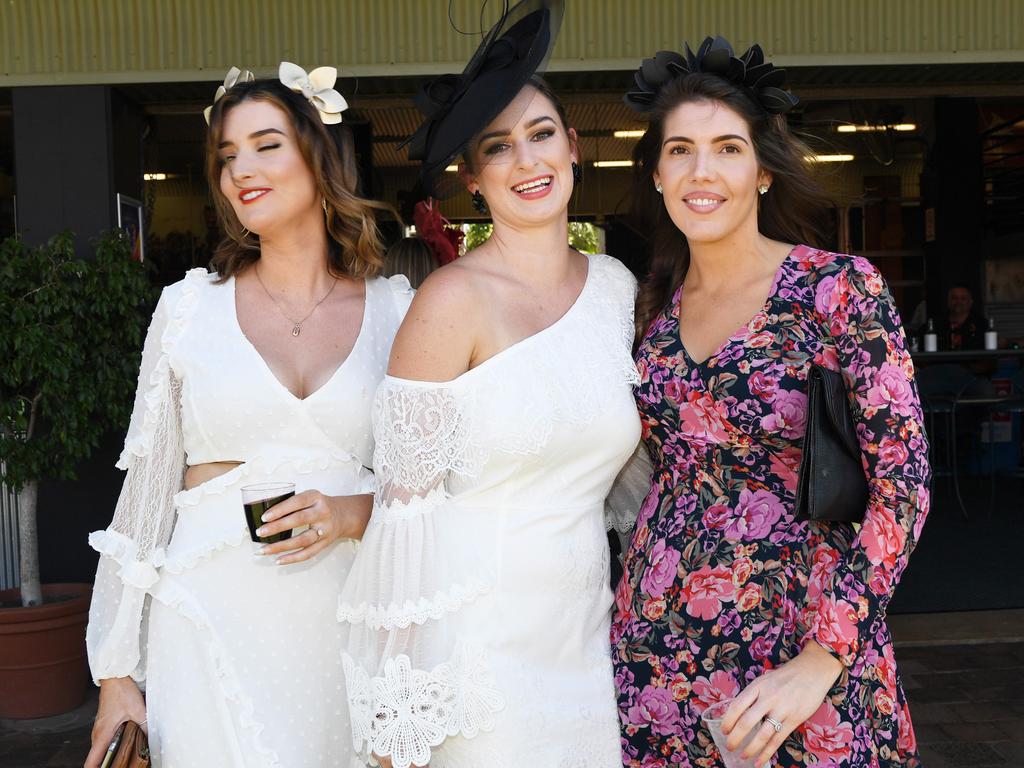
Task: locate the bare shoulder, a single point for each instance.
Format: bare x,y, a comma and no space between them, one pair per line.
438,336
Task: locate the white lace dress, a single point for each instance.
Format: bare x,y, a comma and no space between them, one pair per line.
478,608
240,658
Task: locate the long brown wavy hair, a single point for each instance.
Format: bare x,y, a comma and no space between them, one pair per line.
354,241
792,211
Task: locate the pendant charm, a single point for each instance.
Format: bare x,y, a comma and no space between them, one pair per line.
296,330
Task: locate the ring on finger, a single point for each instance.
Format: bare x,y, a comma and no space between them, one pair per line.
319,532
773,723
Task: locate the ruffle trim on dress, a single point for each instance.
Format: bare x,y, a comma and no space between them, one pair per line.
398,510
134,572
180,313
405,712
178,599
401,287
401,615
263,467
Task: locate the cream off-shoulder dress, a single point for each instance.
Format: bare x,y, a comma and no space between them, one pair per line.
240,657
478,607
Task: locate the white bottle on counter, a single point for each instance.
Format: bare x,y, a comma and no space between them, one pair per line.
931,339
991,337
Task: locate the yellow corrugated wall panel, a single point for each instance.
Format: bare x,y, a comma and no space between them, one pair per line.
75,41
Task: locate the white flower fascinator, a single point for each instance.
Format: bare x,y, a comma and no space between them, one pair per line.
317,87
234,76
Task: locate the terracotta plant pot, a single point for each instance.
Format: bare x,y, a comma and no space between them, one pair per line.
43,667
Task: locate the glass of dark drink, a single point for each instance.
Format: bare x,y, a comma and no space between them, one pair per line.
257,499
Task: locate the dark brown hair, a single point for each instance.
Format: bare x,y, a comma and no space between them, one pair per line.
354,243
792,210
540,85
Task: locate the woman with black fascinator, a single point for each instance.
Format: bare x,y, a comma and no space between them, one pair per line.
479,606
742,584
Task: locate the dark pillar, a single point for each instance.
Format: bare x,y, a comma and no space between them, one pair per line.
75,147
953,184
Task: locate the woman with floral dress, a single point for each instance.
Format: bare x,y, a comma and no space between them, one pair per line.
726,594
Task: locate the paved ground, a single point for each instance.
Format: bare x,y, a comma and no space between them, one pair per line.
964,674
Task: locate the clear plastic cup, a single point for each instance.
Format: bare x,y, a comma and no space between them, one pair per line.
257,499
712,717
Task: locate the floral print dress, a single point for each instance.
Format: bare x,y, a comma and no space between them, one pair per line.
721,583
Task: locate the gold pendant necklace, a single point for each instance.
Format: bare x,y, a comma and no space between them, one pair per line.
296,324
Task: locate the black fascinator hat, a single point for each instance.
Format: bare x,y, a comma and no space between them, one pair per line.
457,107
750,72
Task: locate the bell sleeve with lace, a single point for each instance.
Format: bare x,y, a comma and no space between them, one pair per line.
425,558
631,487
131,547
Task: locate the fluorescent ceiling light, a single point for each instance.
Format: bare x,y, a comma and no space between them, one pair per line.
830,158
876,128
628,134
154,177
613,164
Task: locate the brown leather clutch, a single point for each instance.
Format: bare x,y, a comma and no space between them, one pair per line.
128,749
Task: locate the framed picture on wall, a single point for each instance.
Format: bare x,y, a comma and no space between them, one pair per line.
129,218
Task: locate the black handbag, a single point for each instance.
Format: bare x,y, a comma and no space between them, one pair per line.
831,486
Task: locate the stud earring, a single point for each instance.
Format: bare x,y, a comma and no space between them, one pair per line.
658,188
479,204
762,189
577,173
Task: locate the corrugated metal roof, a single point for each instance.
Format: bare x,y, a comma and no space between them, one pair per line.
119,41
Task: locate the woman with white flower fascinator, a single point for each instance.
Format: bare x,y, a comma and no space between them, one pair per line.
259,373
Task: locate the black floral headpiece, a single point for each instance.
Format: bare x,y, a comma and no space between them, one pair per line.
759,78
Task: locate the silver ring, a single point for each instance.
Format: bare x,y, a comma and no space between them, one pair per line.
319,532
773,723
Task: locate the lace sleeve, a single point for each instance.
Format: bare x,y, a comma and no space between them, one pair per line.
423,561
628,492
130,548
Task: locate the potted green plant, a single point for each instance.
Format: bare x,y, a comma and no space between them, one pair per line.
70,348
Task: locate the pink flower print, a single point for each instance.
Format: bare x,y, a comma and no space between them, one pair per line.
755,515
823,566
786,466
717,516
661,571
705,590
837,625
891,389
832,293
906,740
760,340
701,420
826,736
882,536
711,690
673,390
761,386
789,414
655,707
892,453
647,509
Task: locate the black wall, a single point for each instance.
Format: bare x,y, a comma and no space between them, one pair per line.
953,184
75,147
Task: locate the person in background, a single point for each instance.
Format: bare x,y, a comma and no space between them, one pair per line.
412,257
963,327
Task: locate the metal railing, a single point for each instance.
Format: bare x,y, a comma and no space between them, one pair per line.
9,554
